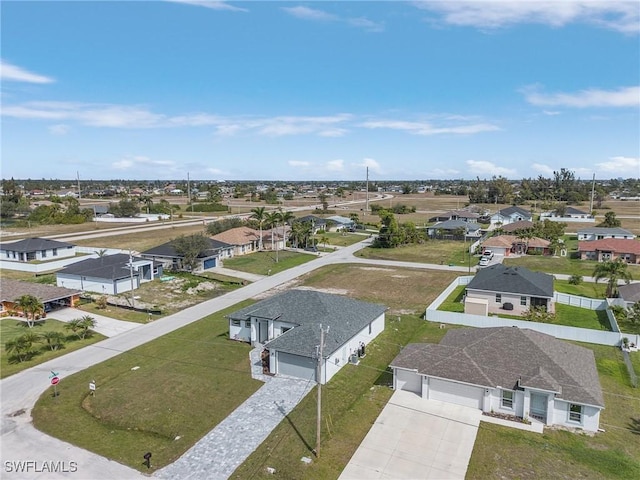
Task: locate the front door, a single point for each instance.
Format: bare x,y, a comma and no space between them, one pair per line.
263,331
539,407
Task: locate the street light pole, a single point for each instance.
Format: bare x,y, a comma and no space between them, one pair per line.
319,379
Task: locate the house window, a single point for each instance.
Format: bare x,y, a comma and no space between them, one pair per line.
369,329
44,254
55,252
506,400
575,413
498,298
523,301
235,323
247,323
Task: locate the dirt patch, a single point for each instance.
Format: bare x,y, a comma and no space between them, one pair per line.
379,269
335,291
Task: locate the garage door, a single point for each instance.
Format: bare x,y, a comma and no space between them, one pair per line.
409,381
457,393
209,263
296,366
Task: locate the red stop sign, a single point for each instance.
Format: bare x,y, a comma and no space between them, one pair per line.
55,380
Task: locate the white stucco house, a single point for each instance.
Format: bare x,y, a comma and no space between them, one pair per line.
41,249
289,325
570,214
508,290
603,233
508,370
511,215
109,274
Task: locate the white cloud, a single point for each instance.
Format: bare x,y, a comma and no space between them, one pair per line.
624,166
9,72
621,16
129,162
425,128
212,4
298,163
542,169
486,169
306,13
551,113
621,97
335,165
373,165
59,129
278,126
443,173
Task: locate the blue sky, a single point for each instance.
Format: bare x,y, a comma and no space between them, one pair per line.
319,90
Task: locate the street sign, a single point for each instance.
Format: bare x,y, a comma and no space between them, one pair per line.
92,386
53,374
55,380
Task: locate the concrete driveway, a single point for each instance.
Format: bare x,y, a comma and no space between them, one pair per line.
415,438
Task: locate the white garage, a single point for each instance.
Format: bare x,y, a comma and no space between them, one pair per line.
453,392
296,366
408,381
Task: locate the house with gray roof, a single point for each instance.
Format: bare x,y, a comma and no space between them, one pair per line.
41,249
510,215
170,259
340,223
569,214
454,229
603,233
507,370
51,297
508,290
109,274
289,325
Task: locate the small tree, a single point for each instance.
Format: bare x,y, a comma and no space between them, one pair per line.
632,314
31,307
613,271
575,279
81,326
101,302
190,247
19,348
54,340
610,220
538,314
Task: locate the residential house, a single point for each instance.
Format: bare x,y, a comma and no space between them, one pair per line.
51,297
318,224
109,274
602,233
571,214
629,293
510,215
506,370
517,226
341,223
243,239
289,325
465,215
508,290
41,249
610,249
454,229
512,244
170,259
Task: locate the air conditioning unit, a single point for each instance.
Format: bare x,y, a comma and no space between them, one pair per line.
507,306
354,359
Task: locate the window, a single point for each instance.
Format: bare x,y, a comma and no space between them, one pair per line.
44,254
247,323
55,252
369,329
575,413
523,301
507,399
498,298
235,323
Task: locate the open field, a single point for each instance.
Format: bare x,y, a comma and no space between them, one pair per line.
11,328
502,452
264,263
187,382
439,252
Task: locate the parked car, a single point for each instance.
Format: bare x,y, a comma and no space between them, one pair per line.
484,261
487,254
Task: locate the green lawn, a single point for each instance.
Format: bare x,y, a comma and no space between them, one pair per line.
585,289
441,252
453,303
338,239
187,382
502,452
261,263
11,328
563,265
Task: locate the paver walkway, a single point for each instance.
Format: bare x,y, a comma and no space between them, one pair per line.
227,446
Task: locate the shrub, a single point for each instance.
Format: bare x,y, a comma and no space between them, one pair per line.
575,279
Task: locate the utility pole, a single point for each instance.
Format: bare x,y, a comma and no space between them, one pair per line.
189,192
593,191
366,208
319,379
79,191
133,300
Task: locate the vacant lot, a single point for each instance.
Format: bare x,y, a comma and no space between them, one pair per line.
440,252
11,328
264,263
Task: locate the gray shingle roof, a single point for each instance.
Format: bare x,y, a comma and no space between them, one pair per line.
10,290
520,280
167,250
506,357
511,210
630,292
308,309
33,245
454,224
110,267
605,231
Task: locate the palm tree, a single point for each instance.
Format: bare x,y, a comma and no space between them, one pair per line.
81,326
30,306
324,240
272,219
54,340
259,214
286,218
613,271
20,346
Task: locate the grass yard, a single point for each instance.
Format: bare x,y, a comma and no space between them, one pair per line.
442,252
585,289
564,265
188,381
261,263
338,239
11,328
453,303
502,452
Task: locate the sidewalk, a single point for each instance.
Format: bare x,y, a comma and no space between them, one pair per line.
251,277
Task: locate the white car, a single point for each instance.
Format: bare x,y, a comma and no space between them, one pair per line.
487,254
484,261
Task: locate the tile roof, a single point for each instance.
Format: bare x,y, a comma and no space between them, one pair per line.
110,267
508,357
508,240
519,280
617,245
344,316
519,225
33,245
10,290
238,236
